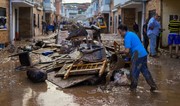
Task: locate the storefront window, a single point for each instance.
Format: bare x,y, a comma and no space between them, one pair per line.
3,18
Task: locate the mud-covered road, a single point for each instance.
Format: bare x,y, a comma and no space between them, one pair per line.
17,90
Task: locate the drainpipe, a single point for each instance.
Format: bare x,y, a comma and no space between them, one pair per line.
11,23
143,18
162,39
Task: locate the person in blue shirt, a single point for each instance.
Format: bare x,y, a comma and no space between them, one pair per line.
152,32
139,54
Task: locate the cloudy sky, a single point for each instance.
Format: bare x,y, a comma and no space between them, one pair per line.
75,1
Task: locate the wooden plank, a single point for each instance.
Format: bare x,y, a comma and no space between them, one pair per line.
79,73
90,64
46,37
53,45
68,71
110,48
82,69
63,69
40,51
103,68
71,81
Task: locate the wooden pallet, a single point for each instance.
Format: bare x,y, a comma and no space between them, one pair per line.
85,69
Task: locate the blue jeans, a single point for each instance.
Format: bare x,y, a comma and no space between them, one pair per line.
152,38
140,65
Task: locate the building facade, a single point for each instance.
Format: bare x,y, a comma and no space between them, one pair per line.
49,11
4,21
166,9
38,17
21,19
58,4
105,12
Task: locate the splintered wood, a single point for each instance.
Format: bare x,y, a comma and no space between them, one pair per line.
117,47
83,69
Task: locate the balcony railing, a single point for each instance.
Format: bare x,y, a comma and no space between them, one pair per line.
49,7
105,7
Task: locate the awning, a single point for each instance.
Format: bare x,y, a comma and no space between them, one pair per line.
23,3
131,4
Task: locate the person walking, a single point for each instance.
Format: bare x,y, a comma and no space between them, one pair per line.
138,53
174,35
44,27
145,37
55,26
152,33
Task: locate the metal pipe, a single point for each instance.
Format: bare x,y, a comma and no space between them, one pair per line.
11,23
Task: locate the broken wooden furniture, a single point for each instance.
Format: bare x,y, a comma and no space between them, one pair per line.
116,47
83,69
96,54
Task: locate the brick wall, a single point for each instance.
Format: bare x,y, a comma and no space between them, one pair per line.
4,34
153,5
58,7
38,30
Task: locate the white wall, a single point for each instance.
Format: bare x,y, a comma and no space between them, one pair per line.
170,7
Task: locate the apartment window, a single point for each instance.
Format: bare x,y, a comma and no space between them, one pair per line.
35,20
110,21
119,20
38,21
3,18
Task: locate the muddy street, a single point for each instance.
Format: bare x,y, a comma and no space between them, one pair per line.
17,90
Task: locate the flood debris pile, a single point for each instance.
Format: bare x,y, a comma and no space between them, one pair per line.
78,58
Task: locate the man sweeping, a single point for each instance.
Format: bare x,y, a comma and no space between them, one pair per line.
134,46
